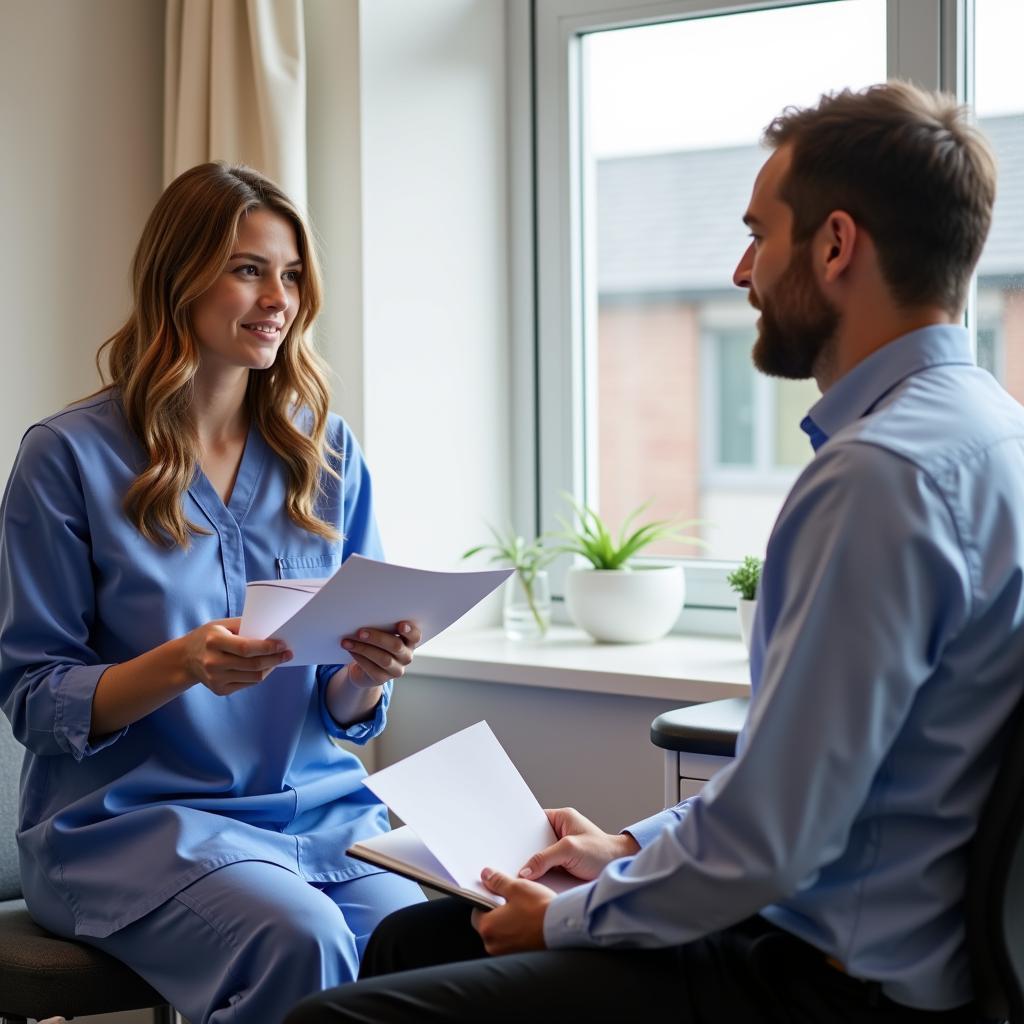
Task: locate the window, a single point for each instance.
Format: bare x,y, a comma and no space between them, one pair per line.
647,121
999,103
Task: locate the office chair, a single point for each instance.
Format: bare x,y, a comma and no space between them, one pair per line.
42,975
994,898
995,888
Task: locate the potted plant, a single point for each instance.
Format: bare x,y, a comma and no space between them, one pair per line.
526,613
745,580
612,598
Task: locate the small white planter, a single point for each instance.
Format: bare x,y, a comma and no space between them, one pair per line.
625,606
746,611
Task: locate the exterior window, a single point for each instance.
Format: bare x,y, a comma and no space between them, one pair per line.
999,102
646,129
676,413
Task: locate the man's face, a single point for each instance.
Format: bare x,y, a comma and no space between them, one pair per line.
797,322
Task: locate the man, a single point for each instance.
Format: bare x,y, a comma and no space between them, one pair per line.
820,876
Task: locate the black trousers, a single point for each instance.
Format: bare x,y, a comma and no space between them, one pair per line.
425,963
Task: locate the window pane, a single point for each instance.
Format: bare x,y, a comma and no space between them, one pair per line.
672,118
735,374
999,102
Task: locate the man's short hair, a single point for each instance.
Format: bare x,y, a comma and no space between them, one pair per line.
908,167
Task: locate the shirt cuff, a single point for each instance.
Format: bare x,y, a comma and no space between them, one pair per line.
73,715
360,732
565,920
647,830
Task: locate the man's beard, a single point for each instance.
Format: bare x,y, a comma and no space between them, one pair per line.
797,322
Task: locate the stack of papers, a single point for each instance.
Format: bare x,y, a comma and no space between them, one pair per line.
466,807
311,616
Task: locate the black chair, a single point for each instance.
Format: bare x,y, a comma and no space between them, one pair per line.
995,888
994,901
42,975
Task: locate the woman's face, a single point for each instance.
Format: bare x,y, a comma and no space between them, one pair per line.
242,318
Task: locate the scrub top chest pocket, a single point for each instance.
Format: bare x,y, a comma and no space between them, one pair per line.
307,567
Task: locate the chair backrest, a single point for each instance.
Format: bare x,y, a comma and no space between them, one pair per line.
994,906
11,752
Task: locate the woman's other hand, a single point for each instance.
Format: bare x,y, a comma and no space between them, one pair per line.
224,662
378,655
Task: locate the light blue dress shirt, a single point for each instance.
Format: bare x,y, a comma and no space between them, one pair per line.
888,654
113,828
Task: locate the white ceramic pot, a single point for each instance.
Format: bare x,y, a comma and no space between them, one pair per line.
746,611
625,606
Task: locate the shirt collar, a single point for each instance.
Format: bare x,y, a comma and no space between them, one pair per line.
859,390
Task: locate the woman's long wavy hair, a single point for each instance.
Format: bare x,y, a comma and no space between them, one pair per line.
153,359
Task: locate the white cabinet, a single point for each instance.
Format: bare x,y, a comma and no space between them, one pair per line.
698,741
686,773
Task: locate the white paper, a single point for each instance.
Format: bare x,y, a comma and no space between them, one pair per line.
469,805
403,846
311,616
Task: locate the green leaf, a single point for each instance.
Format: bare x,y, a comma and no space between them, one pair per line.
587,535
746,578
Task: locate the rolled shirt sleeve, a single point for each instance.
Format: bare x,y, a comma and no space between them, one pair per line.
359,733
48,672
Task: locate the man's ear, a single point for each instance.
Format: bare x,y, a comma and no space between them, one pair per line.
835,245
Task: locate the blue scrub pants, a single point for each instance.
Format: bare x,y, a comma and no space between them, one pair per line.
246,942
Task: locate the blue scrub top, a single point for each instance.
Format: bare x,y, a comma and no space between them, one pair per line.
114,828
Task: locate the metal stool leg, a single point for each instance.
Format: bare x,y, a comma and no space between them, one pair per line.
165,1015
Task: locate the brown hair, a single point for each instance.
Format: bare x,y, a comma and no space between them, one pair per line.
153,358
908,167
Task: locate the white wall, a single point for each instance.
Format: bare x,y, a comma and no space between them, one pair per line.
80,117
334,168
435,271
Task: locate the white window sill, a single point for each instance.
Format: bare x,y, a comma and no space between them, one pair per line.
684,668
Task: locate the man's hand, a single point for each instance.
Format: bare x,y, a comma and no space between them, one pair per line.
518,926
582,848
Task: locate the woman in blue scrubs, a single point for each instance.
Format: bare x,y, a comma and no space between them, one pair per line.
185,802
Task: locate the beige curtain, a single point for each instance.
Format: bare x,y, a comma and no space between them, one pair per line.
235,88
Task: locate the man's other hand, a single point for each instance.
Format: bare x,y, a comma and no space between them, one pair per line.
582,848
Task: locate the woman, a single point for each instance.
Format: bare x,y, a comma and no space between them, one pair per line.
185,806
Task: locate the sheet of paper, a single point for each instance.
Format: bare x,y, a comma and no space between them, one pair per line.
312,616
270,603
469,805
403,852
403,846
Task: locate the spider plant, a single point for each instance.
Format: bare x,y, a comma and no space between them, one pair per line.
526,557
587,534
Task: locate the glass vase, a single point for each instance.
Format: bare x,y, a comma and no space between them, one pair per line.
527,610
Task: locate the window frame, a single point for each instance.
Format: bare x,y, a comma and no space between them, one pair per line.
928,41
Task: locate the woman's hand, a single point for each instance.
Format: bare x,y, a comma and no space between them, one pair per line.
582,848
518,925
353,692
214,655
378,655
